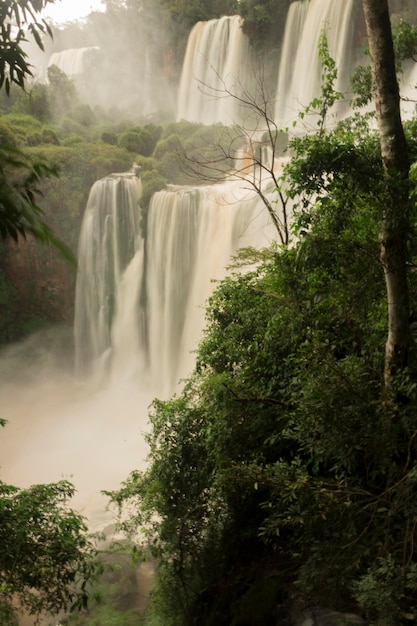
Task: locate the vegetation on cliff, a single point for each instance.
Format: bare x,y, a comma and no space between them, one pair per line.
286,468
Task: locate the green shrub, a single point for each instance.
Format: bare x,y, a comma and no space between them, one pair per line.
73,140
50,136
152,181
21,126
69,126
146,163
109,137
82,114
170,143
138,140
7,136
34,139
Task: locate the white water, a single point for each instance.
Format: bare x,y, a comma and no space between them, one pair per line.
296,18
219,66
139,306
192,234
300,68
70,61
215,69
110,239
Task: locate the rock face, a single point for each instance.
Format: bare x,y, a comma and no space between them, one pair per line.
36,289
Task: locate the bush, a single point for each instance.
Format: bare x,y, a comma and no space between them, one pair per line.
109,137
21,126
152,181
50,136
170,143
263,20
82,114
7,136
140,140
146,163
69,126
73,140
35,139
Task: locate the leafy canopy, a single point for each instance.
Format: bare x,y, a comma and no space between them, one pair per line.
282,468
46,555
20,213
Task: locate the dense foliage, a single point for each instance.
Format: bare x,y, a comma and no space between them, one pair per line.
120,593
46,554
281,468
285,471
19,210
264,20
188,12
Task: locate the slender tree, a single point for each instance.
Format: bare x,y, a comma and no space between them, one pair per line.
395,226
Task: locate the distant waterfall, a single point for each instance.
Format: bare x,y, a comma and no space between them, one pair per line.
217,60
300,70
70,61
141,317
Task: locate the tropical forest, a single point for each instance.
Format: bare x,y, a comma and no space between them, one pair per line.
208,313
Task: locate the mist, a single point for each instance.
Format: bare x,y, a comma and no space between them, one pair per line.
59,427
119,63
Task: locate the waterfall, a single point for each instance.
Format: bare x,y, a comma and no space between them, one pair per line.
219,62
70,61
305,22
216,62
192,235
110,241
408,89
139,304
296,17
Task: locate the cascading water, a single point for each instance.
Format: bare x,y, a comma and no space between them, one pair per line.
300,69
141,316
219,62
70,61
110,241
192,235
216,62
296,18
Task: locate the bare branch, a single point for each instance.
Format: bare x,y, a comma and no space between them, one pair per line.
247,151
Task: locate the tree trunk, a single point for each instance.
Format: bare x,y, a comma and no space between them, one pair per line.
395,225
